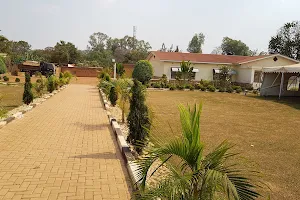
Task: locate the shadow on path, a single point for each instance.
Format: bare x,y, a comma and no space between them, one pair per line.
293,102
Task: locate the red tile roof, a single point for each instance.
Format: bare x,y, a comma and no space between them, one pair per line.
205,58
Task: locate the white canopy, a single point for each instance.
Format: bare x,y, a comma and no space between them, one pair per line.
285,69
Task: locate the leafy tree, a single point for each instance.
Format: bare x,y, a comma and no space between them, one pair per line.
138,118
195,45
98,41
113,96
3,68
20,48
217,50
120,69
287,41
192,174
65,53
143,71
185,70
27,95
5,45
124,86
234,47
177,49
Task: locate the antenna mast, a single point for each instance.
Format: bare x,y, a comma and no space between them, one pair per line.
134,36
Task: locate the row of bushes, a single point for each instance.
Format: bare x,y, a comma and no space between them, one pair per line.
198,86
6,79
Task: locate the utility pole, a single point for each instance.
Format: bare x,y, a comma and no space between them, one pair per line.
134,36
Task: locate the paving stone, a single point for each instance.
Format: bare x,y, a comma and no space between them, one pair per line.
63,149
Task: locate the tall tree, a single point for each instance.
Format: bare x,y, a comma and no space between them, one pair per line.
138,117
20,47
65,53
5,45
177,49
195,45
287,41
98,41
234,47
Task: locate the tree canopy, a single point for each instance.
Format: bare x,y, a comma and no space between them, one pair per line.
234,47
287,40
195,45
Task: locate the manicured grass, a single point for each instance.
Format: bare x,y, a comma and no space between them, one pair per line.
265,131
12,96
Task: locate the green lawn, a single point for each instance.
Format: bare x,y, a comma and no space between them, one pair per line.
265,131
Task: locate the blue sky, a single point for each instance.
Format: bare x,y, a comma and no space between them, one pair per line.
44,22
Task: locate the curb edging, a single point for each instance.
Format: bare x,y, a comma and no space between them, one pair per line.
129,159
21,113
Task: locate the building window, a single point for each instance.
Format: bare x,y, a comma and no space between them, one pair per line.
293,83
257,76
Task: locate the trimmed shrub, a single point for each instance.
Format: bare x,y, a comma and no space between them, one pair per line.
192,88
138,118
172,87
239,90
229,90
27,95
222,89
205,83
143,71
105,76
3,68
180,87
67,76
234,87
211,88
51,83
5,78
157,85
17,80
113,96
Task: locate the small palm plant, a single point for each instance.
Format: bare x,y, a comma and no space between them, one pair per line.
185,70
123,88
193,175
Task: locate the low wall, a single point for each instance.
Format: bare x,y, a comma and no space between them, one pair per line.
82,71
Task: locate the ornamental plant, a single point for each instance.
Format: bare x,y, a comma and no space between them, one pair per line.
27,95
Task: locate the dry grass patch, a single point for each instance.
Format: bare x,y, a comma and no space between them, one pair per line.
266,132
11,96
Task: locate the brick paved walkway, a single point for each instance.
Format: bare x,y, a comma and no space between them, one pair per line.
62,149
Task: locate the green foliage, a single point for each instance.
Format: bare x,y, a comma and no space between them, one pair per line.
180,87
67,76
104,76
185,71
164,81
229,90
239,90
205,83
27,95
195,45
5,78
113,96
222,89
192,88
256,91
195,173
211,88
17,80
123,88
234,47
287,40
138,118
143,71
51,83
65,53
3,68
157,85
172,87
120,69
